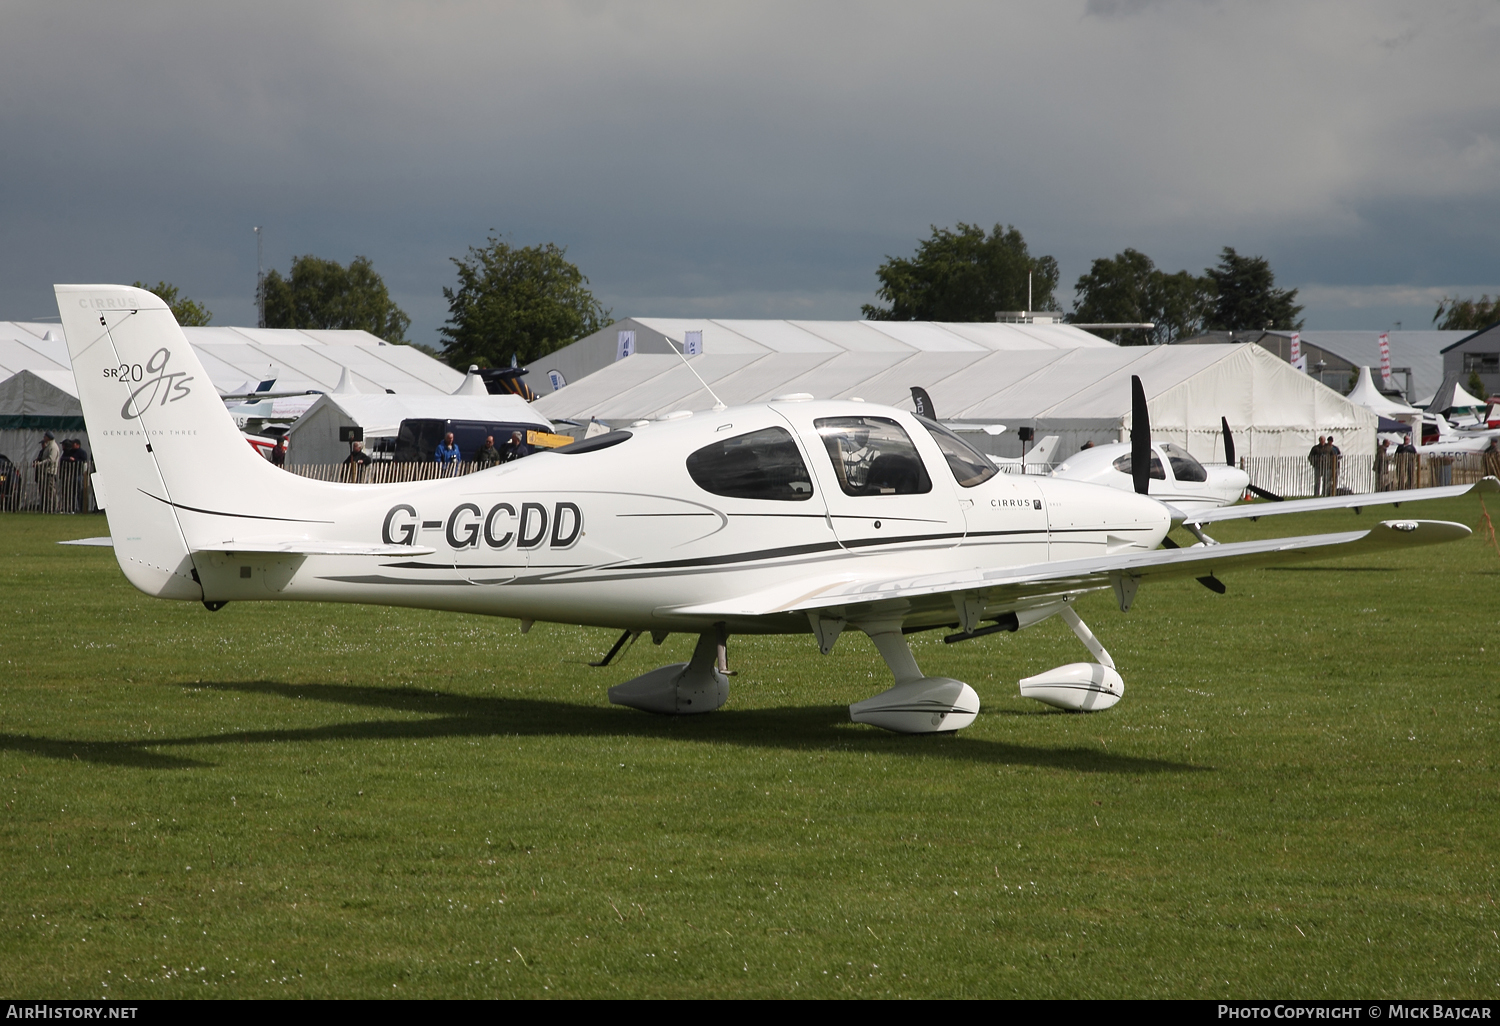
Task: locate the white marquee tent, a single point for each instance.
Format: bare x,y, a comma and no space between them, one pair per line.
1079,393
808,339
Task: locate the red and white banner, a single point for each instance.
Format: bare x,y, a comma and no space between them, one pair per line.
1385,359
1296,346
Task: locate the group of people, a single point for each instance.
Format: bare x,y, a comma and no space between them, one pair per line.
61,472
1325,457
515,447
1395,468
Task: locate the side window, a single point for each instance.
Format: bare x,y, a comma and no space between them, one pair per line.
970,467
1157,472
873,456
1184,466
763,464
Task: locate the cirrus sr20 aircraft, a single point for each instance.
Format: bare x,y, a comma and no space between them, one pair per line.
784,517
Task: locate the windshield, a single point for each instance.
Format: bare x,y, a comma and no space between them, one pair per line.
970,467
1184,467
1123,465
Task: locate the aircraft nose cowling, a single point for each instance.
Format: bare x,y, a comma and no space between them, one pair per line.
924,706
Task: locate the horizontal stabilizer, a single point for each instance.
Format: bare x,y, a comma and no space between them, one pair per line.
316,548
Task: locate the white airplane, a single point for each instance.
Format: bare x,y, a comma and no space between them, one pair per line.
1175,476
784,517
1453,441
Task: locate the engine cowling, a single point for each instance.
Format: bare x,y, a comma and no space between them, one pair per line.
1076,687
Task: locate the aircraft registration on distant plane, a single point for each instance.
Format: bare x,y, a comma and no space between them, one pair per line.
784,517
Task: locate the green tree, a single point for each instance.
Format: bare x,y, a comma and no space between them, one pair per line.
963,274
1129,287
516,301
1454,314
1245,296
189,314
324,294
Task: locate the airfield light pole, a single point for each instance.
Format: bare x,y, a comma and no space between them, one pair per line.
260,282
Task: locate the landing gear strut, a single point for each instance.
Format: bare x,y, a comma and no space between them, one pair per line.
697,686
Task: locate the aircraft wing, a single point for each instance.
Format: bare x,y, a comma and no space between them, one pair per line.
1256,510
850,596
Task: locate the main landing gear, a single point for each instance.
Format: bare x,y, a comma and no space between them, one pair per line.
698,686
916,704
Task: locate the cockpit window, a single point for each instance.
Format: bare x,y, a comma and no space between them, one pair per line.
873,456
763,464
1123,465
1184,467
970,467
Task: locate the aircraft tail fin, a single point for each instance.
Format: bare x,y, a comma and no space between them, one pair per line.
1044,451
164,445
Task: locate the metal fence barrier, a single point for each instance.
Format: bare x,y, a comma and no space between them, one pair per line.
1297,477
33,489
383,472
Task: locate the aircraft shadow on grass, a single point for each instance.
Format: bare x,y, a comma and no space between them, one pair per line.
450,715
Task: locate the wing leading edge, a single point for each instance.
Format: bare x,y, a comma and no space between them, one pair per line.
1256,510
848,597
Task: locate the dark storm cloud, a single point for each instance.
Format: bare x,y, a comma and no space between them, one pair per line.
758,159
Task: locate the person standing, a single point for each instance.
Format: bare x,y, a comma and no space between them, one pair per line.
46,463
1335,457
489,454
447,450
74,476
1382,465
516,447
278,454
1406,464
1317,457
356,462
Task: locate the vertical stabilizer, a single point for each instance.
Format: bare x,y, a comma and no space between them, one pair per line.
163,443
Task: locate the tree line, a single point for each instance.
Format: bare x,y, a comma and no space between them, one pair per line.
510,303
523,302
966,274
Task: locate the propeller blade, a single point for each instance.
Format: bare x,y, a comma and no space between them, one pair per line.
1228,442
1140,437
923,402
1272,496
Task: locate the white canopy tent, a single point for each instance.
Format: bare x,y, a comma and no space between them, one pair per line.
1081,394
647,336
1367,395
36,401
1451,395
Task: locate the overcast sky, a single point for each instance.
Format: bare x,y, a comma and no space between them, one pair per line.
749,160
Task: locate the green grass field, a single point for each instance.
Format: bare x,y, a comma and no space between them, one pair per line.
1298,796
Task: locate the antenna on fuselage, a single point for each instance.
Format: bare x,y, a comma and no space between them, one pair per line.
718,403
